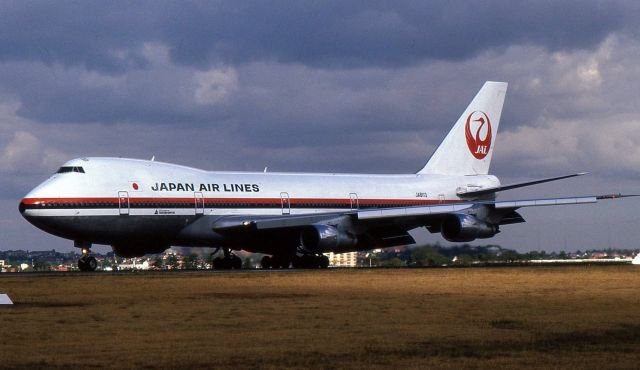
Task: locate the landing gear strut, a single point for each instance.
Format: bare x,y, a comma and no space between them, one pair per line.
87,262
228,262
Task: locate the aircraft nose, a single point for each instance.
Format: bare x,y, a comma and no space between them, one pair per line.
22,207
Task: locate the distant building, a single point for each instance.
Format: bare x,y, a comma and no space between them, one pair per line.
349,259
134,265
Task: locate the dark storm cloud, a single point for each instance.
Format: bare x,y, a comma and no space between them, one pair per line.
62,41
106,36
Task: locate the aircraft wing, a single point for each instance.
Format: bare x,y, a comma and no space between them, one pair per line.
390,225
391,214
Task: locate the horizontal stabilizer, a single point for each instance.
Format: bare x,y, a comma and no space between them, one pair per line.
475,193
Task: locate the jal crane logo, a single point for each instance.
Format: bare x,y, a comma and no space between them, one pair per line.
478,147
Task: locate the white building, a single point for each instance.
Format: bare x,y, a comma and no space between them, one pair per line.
349,259
134,265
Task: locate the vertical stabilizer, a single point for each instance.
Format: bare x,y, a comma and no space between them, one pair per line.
468,148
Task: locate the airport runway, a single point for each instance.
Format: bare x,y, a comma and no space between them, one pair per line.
292,270
531,317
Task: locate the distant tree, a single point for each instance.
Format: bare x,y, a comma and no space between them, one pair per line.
428,256
157,262
105,263
191,262
41,265
510,256
393,262
172,261
464,259
370,259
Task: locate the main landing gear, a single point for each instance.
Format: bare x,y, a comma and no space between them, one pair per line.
275,262
305,261
227,262
310,261
87,262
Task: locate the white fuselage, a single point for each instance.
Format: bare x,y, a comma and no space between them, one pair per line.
137,187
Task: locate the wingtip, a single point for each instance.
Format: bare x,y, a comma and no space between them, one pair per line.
615,196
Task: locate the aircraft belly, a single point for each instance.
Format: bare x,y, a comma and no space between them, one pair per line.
110,229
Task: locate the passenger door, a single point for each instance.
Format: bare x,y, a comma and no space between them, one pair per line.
353,197
286,203
123,203
199,199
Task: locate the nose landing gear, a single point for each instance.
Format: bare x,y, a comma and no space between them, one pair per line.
87,262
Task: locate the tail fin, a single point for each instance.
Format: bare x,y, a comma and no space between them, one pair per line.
468,147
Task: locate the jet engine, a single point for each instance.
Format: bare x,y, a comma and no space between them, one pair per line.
466,228
320,238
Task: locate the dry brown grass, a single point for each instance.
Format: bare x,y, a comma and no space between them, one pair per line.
560,317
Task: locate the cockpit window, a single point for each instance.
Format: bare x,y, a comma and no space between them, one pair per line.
66,169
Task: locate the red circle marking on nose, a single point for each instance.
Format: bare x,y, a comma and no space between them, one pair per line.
135,186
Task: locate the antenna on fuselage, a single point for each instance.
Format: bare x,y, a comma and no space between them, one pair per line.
153,158
265,169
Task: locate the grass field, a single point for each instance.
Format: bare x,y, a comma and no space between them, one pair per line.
538,317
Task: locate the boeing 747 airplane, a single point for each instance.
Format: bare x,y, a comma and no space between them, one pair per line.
141,207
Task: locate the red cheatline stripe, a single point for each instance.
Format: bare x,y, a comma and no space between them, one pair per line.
293,201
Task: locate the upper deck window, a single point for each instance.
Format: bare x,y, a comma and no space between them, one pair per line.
66,169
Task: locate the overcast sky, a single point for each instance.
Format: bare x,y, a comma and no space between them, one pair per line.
337,86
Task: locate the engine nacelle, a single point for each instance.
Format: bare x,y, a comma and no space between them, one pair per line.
465,228
320,238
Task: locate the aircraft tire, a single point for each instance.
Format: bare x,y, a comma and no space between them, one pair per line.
283,262
82,264
300,262
91,263
296,262
323,262
236,262
219,264
265,262
308,261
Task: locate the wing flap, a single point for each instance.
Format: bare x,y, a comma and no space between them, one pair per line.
412,211
544,202
252,222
